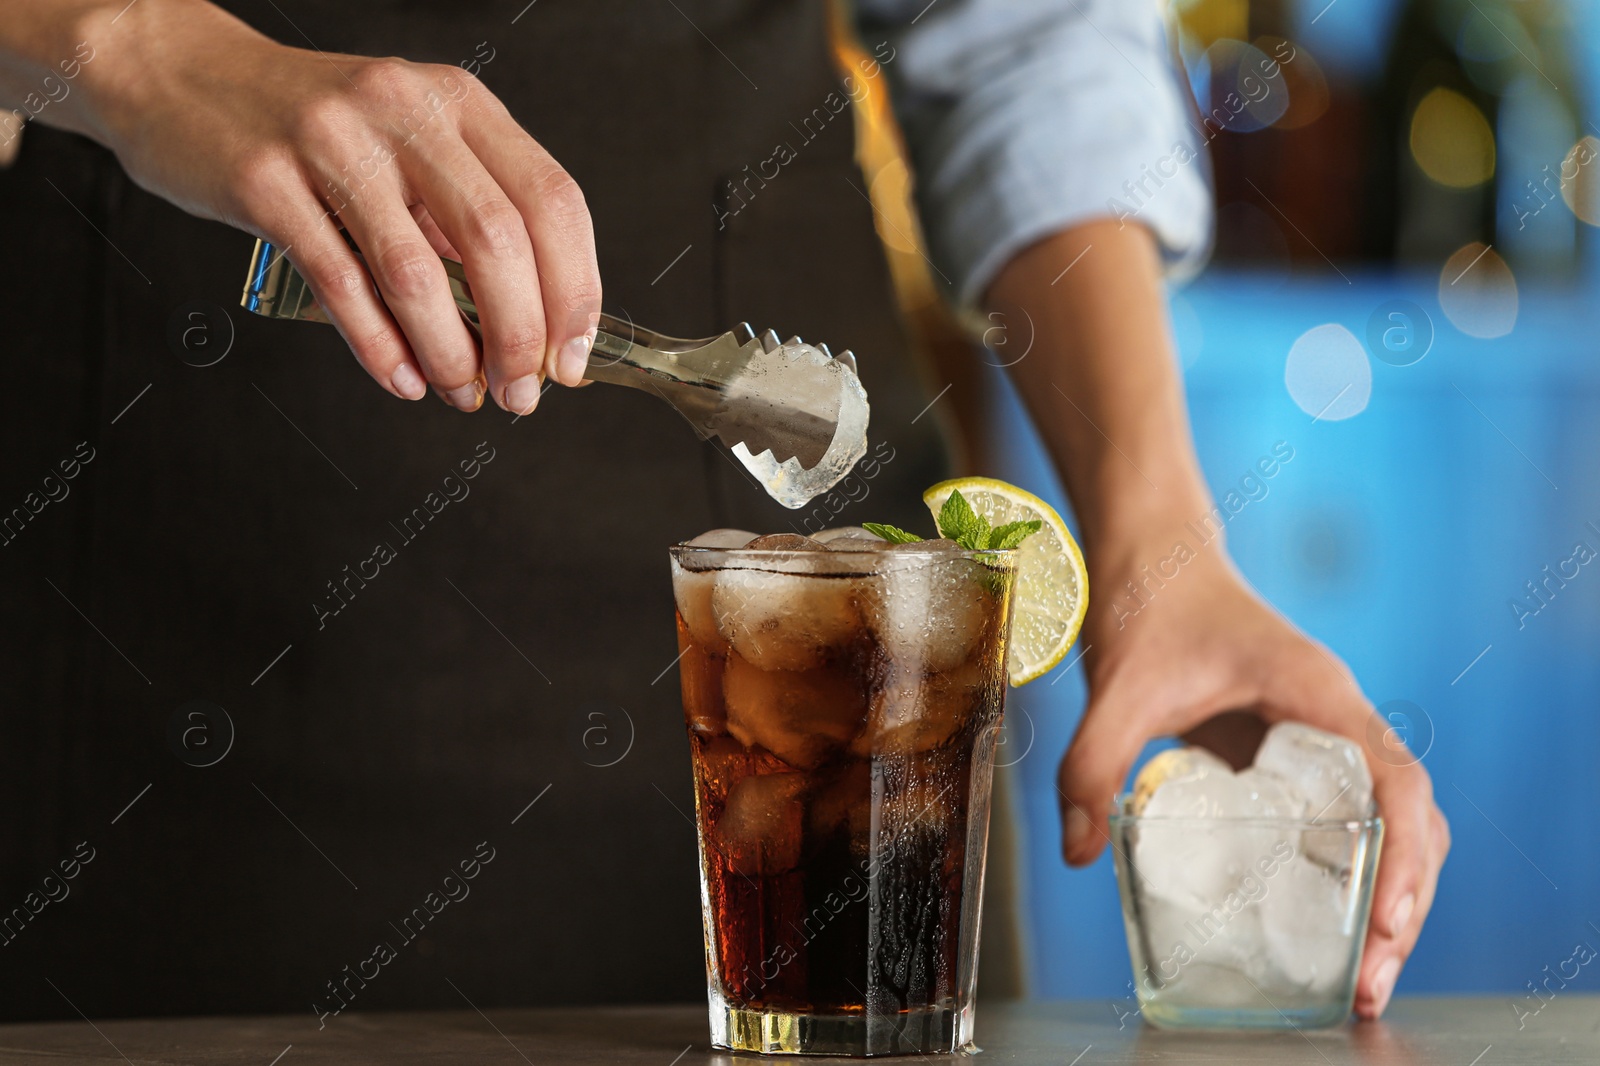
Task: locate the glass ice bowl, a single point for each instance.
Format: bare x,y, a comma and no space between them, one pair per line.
1243,923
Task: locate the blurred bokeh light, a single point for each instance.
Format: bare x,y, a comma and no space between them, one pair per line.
1327,373
1478,293
1580,180
1451,140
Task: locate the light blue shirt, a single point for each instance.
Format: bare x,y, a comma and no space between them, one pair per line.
1024,117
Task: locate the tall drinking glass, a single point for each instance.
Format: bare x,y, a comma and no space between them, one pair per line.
843,708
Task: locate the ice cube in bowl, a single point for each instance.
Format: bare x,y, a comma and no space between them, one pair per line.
1248,930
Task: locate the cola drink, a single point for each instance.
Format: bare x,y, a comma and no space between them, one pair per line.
843,702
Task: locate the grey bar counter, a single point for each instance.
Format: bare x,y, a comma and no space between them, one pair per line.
1446,1032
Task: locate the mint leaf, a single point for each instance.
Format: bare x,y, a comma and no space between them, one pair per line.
891,534
1013,533
959,523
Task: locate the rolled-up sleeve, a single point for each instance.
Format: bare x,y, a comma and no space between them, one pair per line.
1024,117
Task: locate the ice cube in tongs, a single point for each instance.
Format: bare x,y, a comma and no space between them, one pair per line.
793,414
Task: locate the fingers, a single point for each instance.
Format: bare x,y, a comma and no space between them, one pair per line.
1384,956
430,230
414,285
562,234
344,290
1406,800
452,175
476,217
1096,764
1416,840
1320,691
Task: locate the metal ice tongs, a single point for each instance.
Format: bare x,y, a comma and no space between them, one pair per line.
793,414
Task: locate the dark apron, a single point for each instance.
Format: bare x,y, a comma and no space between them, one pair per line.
418,623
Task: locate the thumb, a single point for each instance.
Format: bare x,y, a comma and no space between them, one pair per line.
1109,738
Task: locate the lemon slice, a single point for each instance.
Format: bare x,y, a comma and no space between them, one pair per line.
1052,586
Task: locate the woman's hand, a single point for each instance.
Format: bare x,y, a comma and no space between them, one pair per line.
1103,385
1202,644
414,160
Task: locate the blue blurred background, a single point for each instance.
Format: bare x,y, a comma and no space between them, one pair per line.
1415,511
